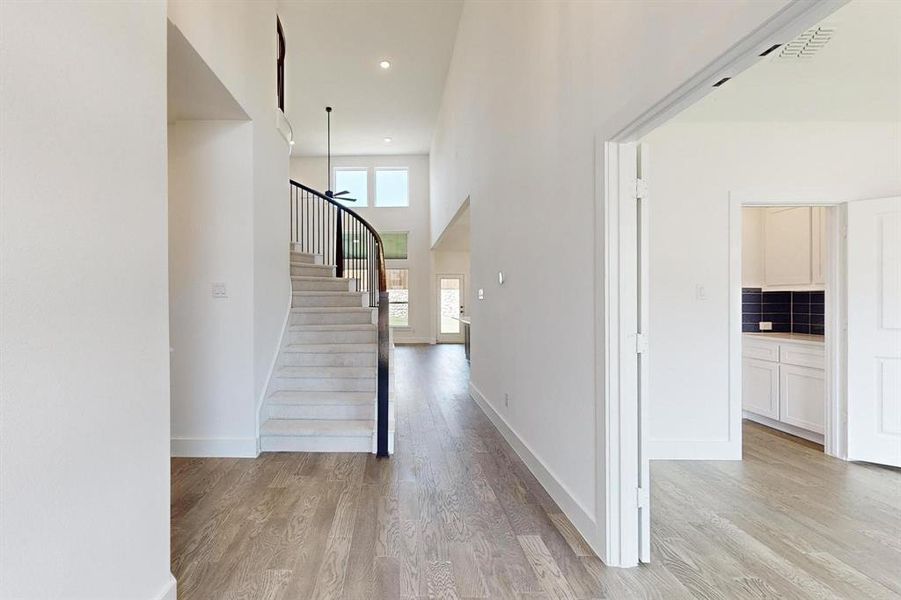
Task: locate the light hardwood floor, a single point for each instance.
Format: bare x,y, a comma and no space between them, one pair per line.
455,514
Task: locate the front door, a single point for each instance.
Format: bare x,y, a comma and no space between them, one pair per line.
874,331
450,309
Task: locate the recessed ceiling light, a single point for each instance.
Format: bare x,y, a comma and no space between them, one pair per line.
291,142
387,140
385,64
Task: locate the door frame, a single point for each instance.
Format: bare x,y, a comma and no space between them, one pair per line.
835,441
438,278
617,442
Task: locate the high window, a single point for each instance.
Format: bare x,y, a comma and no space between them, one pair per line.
355,181
395,245
392,188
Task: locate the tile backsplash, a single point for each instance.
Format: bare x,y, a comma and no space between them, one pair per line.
795,312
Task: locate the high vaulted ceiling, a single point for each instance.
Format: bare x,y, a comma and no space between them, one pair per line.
333,54
855,76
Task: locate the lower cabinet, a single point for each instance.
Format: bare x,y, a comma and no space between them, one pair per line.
802,394
760,387
785,383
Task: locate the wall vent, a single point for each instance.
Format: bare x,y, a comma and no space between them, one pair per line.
808,43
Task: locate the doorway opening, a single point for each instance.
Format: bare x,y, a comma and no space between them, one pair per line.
787,137
452,321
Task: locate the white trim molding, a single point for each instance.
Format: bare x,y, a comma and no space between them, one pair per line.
214,447
169,591
579,515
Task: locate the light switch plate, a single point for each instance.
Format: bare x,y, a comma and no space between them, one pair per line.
219,290
481,294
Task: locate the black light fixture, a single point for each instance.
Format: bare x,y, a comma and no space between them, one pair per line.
328,128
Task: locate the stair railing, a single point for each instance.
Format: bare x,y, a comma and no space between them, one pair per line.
321,225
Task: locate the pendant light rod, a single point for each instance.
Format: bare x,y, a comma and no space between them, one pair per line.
328,126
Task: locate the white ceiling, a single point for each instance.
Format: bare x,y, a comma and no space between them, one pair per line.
333,54
856,76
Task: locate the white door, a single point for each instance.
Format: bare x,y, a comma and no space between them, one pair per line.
450,309
874,330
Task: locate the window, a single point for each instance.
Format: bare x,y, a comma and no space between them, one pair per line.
395,245
392,187
398,298
355,181
280,65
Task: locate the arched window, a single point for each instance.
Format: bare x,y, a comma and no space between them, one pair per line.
280,64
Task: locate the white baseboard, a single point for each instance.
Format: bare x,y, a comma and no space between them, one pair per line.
812,436
214,447
581,518
169,591
694,450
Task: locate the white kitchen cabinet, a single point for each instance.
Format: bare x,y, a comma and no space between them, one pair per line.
818,245
760,387
784,384
787,246
802,393
784,248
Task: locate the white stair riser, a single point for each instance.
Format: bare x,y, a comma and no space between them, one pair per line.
327,372
299,301
315,444
360,411
318,384
304,270
303,257
332,284
331,318
332,337
336,359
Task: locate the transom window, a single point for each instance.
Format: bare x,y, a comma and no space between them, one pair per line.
392,188
355,181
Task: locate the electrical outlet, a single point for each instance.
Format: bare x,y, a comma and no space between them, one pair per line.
219,290
506,400
700,292
765,325
481,294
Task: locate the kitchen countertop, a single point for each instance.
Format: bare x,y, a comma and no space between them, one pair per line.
801,338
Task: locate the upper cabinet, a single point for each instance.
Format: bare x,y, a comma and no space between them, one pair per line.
784,247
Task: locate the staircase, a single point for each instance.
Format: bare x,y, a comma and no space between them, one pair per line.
324,392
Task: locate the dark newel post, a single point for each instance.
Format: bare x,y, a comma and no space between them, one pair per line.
382,421
339,246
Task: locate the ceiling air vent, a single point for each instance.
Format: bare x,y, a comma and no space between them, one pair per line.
808,43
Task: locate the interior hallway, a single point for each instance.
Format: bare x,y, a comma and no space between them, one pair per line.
455,514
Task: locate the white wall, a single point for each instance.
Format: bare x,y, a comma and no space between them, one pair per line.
237,41
530,90
211,241
694,167
84,367
414,219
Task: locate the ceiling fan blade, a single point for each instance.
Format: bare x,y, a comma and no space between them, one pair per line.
347,199
342,193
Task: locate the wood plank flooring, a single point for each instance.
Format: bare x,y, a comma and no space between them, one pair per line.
455,514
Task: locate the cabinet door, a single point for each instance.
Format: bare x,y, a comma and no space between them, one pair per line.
802,397
818,244
787,246
760,387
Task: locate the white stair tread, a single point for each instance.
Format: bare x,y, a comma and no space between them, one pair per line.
334,327
353,347
328,309
327,372
318,278
326,293
288,397
307,265
317,427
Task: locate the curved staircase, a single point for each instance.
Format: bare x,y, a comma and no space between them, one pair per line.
324,394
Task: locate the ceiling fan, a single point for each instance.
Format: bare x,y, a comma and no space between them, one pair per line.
329,193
